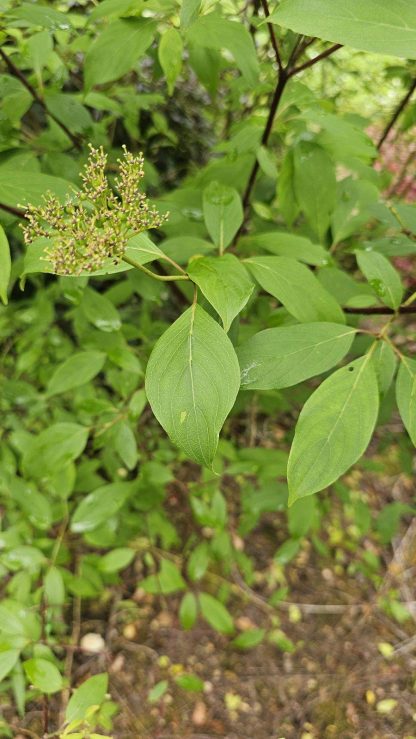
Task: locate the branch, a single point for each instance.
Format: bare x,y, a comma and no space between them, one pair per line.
281,84
13,211
161,278
285,73
16,72
401,106
315,60
272,35
380,310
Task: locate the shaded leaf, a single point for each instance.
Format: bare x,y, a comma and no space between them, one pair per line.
334,428
192,380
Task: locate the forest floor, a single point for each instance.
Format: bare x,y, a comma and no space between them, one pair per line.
349,670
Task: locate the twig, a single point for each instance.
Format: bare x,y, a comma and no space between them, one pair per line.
315,60
13,211
281,84
272,35
380,310
16,72
161,278
397,112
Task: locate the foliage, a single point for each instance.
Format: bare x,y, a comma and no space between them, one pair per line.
274,256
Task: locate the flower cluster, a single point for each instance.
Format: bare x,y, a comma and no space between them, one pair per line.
95,224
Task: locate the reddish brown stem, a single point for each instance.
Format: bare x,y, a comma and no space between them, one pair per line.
16,72
397,112
272,35
380,310
315,60
13,211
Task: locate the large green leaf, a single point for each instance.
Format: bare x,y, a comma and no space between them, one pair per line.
352,209
55,447
75,371
43,675
315,186
223,213
216,614
382,277
215,32
5,266
100,311
117,49
19,188
281,357
192,381
406,395
225,284
334,428
98,506
288,245
139,248
296,287
170,56
383,26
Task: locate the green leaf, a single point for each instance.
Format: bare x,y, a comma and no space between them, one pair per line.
158,691
109,8
182,248
168,580
54,587
223,213
216,614
189,12
191,683
215,32
188,611
5,266
334,428
192,381
281,357
125,445
92,692
41,15
286,188
43,675
98,506
296,287
18,188
406,395
249,639
117,559
34,505
382,277
8,659
385,362
383,26
100,311
198,561
170,56
352,210
288,245
116,50
225,284
70,111
77,370
54,448
315,186
139,248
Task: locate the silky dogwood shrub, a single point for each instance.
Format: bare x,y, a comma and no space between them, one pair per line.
195,372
